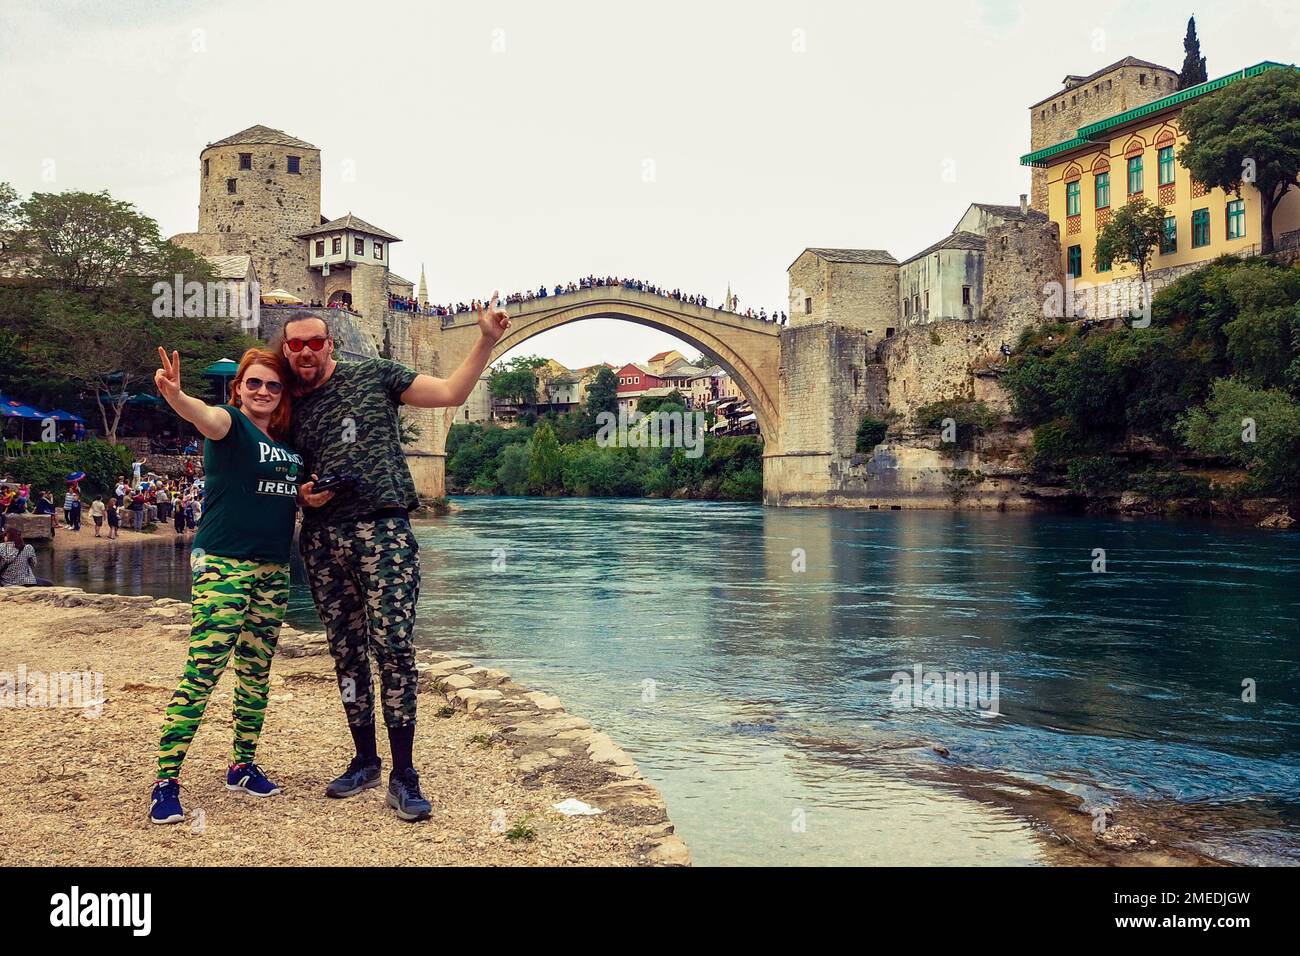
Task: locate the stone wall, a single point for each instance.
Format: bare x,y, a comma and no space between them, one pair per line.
860,295
941,360
1020,259
827,384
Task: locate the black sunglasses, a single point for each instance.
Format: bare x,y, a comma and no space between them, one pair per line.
274,388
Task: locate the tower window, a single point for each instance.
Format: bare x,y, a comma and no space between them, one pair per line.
293,164
807,306
320,248
230,185
245,160
379,250
358,246
336,246
965,295
207,167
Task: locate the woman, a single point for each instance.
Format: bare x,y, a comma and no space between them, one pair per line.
240,562
16,559
97,512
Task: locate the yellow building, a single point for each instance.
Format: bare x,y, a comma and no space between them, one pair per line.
1135,154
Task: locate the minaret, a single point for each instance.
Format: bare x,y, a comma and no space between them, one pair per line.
423,296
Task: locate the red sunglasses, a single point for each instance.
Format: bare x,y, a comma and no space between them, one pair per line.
315,343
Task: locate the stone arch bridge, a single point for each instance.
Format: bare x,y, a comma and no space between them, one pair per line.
757,354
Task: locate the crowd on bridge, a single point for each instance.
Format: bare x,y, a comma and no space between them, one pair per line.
399,303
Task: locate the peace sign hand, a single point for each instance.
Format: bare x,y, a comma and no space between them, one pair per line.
493,321
168,378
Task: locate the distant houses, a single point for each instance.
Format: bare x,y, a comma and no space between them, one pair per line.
560,390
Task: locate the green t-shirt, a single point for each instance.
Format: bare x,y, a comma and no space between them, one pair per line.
250,494
349,426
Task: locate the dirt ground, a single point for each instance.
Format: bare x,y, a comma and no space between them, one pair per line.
77,789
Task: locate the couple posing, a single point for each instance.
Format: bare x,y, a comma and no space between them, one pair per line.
295,411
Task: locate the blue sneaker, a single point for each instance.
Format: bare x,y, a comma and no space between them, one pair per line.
249,777
405,797
165,803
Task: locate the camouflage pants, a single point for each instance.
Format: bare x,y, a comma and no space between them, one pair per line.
237,606
365,580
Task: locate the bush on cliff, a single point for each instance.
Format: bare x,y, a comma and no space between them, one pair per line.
969,419
1085,388
1258,429
871,432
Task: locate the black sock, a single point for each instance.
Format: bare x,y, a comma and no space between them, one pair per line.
363,738
401,740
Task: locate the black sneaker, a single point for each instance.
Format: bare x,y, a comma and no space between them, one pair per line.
359,776
405,797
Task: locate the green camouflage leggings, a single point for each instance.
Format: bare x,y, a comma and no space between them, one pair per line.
237,606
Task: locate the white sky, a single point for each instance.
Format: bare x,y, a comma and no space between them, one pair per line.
508,143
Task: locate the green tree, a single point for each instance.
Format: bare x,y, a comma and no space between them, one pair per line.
546,463
517,380
602,396
673,401
512,472
1193,71
1258,429
86,241
1247,133
1132,235
10,214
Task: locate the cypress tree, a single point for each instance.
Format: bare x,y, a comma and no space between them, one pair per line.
1193,71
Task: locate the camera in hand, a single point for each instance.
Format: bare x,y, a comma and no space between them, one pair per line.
338,484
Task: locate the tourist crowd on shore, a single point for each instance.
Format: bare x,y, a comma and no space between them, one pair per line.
136,501
407,304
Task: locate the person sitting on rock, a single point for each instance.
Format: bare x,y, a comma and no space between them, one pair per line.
16,559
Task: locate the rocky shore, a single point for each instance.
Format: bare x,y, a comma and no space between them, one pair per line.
496,758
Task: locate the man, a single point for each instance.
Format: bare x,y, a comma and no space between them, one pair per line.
357,545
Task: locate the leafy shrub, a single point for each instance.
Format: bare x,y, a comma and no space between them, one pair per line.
870,434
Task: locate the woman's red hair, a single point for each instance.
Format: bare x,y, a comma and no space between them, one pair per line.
279,427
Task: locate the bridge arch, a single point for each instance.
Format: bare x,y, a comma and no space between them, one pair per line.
748,349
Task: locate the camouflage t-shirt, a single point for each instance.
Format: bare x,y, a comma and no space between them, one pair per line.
349,426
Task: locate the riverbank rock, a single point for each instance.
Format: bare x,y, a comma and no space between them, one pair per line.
32,527
1278,519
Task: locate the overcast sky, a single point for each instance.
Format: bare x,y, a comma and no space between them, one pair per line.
511,144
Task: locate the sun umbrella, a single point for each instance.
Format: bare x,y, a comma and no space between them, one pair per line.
280,297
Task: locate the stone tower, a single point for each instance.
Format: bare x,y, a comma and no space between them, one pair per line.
258,190
1124,85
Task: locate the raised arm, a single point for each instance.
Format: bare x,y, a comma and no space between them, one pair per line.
211,422
427,391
